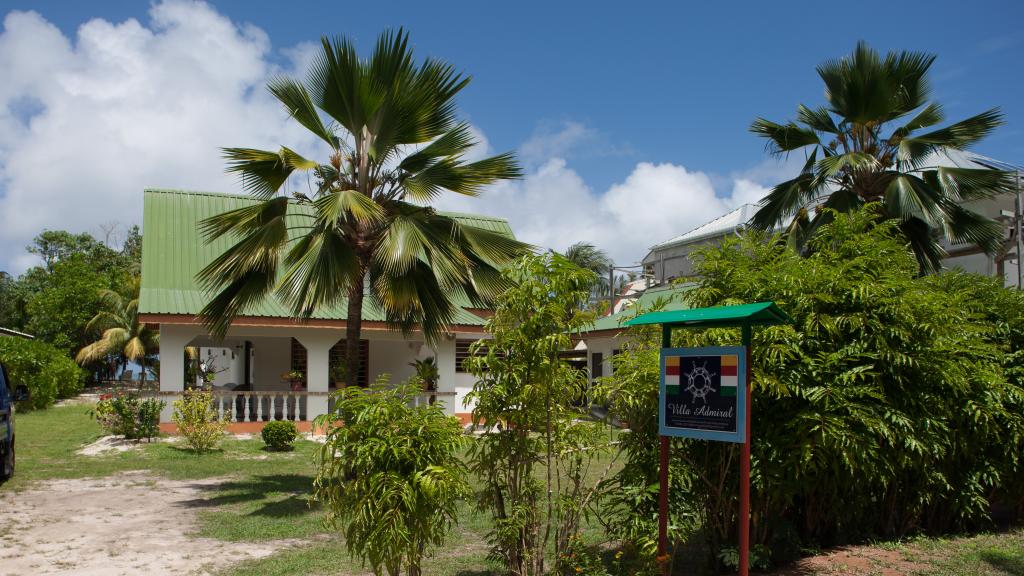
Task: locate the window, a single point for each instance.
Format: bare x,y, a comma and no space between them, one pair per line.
596,365
462,353
337,356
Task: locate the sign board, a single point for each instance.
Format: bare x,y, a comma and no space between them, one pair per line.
703,393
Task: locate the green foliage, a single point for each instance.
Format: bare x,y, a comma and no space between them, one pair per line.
198,421
67,299
866,145
56,300
394,145
129,415
884,410
47,372
630,497
279,434
121,335
535,454
390,475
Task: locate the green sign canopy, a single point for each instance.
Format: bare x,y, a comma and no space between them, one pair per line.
756,314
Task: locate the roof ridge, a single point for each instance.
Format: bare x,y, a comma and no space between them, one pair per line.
694,229
247,197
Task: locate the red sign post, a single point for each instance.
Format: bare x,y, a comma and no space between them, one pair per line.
709,406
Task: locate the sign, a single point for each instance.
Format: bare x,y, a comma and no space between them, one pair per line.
703,393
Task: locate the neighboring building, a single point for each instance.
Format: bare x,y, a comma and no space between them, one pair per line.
672,259
603,340
15,333
266,342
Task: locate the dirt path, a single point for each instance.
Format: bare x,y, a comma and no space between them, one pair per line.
132,523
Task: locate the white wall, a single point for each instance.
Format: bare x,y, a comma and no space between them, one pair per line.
392,357
604,346
272,357
228,363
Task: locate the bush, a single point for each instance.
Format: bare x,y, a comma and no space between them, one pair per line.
390,475
198,421
279,434
47,372
129,415
890,406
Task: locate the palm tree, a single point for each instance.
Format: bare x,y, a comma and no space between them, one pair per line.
120,331
590,257
394,145
865,147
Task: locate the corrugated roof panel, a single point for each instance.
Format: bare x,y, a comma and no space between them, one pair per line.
673,293
174,252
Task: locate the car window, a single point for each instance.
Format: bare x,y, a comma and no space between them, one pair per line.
5,386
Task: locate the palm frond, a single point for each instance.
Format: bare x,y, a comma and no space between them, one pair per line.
784,137
300,106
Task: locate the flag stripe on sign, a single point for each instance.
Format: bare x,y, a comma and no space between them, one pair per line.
728,370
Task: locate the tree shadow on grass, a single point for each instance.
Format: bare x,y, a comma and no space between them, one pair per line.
1005,562
265,489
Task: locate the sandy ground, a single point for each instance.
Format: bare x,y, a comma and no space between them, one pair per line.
132,523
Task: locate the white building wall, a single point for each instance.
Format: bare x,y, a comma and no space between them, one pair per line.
605,346
272,357
228,363
392,357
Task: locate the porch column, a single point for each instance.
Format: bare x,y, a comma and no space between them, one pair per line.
444,353
318,359
173,339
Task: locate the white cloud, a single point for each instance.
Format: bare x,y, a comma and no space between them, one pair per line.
125,106
87,122
553,207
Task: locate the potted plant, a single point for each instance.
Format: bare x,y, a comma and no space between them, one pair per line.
295,378
338,372
428,374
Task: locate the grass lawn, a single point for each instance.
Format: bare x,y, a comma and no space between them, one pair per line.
265,496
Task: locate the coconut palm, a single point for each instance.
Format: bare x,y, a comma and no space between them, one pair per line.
121,333
590,257
393,145
866,146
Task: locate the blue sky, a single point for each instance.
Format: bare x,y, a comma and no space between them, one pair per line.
608,88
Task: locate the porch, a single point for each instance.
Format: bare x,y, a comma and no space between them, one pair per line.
262,373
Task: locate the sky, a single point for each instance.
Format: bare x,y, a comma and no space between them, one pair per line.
630,119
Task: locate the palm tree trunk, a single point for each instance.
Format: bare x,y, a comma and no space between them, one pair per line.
353,331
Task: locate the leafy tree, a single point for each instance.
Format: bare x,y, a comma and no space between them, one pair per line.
883,411
65,300
534,455
390,475
121,332
590,257
395,144
866,146
12,302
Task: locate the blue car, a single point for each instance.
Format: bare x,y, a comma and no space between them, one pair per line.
8,396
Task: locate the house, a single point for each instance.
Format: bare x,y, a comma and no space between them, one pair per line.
15,333
671,259
603,340
271,365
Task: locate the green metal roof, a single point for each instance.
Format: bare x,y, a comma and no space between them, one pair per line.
672,293
760,313
174,251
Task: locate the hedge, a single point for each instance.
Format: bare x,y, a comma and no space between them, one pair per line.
47,372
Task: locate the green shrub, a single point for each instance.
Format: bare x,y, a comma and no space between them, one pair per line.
279,434
390,475
890,406
198,421
129,415
47,372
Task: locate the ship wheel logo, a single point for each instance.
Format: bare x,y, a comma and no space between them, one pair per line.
699,382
